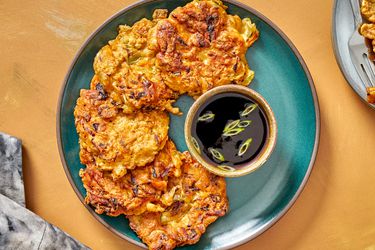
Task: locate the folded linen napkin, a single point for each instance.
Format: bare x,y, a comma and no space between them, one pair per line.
11,184
19,227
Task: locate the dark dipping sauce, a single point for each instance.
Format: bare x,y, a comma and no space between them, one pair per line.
210,136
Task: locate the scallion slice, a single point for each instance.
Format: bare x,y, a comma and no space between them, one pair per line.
226,168
234,131
216,154
250,108
244,124
196,145
231,125
244,147
207,116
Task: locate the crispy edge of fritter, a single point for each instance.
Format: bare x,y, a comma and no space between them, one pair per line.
371,95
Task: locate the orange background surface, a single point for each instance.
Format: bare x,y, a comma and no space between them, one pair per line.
39,39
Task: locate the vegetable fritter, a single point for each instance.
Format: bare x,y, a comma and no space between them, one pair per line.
126,68
199,198
140,190
199,46
113,140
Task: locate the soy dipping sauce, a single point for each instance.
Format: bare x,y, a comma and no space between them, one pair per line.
224,124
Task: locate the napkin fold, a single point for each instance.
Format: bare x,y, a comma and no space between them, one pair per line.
11,184
19,227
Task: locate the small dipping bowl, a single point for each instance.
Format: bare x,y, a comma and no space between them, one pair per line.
228,137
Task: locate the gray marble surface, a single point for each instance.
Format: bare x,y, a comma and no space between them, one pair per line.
19,227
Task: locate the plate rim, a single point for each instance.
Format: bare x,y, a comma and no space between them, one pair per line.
295,52
339,61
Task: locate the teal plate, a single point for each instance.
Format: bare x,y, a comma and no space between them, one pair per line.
257,200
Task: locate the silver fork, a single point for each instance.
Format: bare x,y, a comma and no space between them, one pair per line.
359,51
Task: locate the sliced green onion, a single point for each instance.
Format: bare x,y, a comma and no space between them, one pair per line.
133,59
216,154
196,145
231,125
209,115
244,124
226,168
234,131
249,109
249,78
244,146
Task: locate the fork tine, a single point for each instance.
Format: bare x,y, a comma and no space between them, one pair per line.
364,76
371,66
366,66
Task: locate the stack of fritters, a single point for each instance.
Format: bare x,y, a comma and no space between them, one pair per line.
368,31
196,48
132,168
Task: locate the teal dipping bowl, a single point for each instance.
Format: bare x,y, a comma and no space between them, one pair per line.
256,200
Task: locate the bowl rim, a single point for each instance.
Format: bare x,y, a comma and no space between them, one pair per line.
295,52
268,147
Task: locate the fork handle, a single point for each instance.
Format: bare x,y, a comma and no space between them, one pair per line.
356,12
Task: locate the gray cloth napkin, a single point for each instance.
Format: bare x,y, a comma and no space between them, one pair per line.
11,184
19,227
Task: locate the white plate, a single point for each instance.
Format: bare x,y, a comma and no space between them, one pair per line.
342,29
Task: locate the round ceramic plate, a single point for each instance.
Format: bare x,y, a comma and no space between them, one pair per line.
342,29
257,200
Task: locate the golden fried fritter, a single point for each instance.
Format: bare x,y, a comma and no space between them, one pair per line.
199,46
140,190
126,68
371,95
368,10
368,30
112,140
199,198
